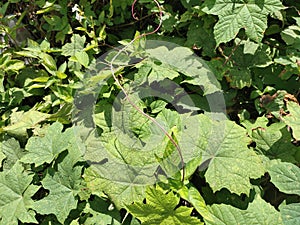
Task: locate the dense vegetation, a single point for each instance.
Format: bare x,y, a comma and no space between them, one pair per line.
145,112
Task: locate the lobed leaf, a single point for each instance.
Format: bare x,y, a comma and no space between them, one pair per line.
160,209
235,15
45,149
230,163
15,198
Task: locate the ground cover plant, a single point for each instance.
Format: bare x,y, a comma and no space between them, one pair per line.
150,112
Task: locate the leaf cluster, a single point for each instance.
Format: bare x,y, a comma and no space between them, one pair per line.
220,77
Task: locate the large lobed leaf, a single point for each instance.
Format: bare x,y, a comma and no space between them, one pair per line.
230,163
46,149
236,14
63,189
15,197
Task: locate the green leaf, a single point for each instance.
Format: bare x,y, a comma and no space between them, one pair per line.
120,190
293,118
160,209
46,149
224,150
186,62
157,106
12,151
286,177
291,34
48,62
199,204
76,45
258,212
200,34
2,157
82,58
123,164
101,213
274,141
21,121
239,78
234,15
158,72
290,213
63,186
15,198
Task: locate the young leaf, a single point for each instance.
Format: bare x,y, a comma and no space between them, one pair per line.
76,45
234,15
46,149
286,177
15,198
160,209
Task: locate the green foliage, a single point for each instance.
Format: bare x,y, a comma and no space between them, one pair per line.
160,209
258,212
46,149
74,151
293,118
234,15
16,192
286,178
